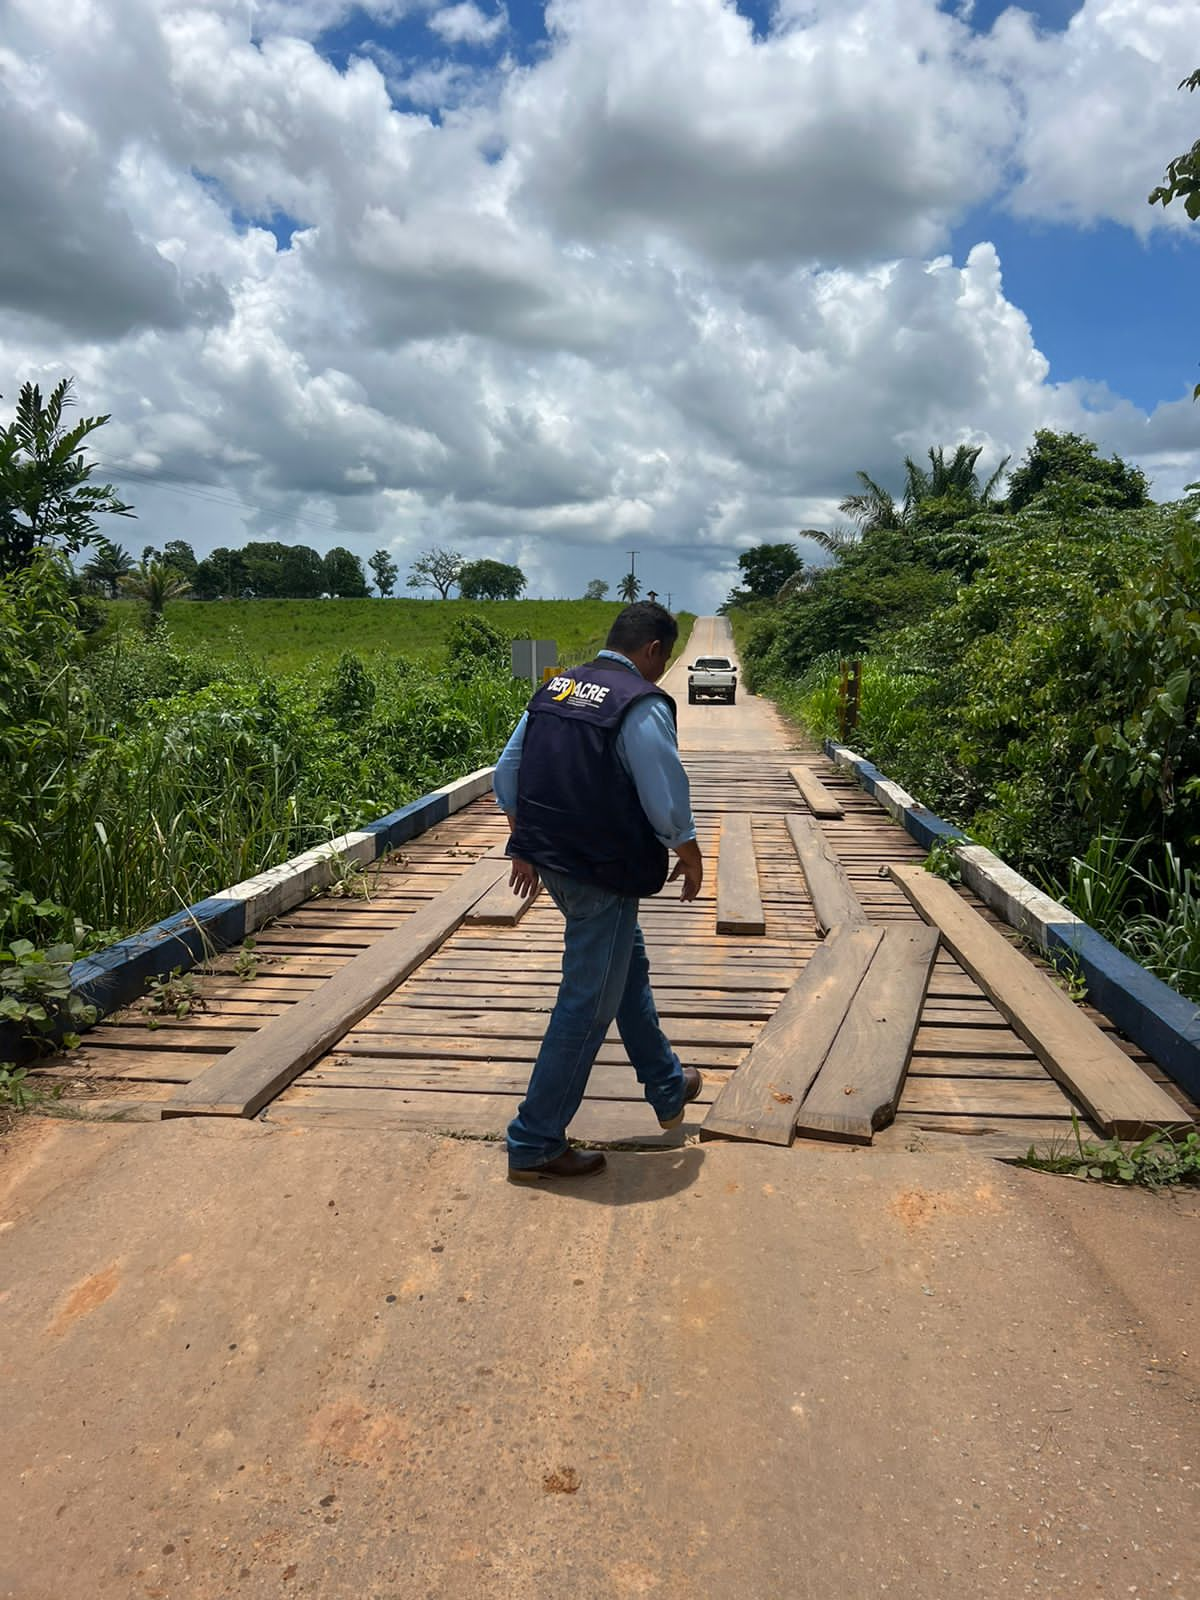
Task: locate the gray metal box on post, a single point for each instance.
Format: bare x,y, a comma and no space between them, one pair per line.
533,659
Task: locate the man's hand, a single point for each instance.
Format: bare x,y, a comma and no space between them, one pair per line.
690,867
523,880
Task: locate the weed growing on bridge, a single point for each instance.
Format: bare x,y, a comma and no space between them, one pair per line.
245,963
14,1096
1153,1163
174,996
943,862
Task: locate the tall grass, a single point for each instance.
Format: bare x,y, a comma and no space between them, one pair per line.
1145,899
888,695
137,778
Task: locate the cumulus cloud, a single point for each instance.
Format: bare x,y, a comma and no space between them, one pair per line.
467,24
668,284
855,130
1102,112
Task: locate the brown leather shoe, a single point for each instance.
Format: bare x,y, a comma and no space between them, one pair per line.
571,1164
692,1085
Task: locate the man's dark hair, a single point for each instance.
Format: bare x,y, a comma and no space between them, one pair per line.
638,624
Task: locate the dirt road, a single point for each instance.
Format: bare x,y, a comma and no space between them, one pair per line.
751,724
238,1360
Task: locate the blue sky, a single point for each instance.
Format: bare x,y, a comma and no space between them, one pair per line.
415,272
1105,304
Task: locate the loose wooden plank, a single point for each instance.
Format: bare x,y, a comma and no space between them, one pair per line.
1114,1091
834,901
257,1068
500,907
858,1086
739,900
816,796
761,1099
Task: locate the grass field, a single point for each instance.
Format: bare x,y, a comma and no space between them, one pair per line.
288,635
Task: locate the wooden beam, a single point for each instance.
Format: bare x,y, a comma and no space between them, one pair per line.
816,796
760,1101
834,901
739,901
500,907
262,1063
858,1087
1113,1090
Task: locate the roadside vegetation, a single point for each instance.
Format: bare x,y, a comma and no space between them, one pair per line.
154,749
1031,671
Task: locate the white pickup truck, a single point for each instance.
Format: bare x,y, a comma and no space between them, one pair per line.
712,678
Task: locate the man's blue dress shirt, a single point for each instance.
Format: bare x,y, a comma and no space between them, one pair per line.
647,748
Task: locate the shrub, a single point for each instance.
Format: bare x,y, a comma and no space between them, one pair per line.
350,694
476,645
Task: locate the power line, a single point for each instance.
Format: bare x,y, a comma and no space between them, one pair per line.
214,497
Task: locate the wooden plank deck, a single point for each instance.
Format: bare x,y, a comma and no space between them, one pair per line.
450,1049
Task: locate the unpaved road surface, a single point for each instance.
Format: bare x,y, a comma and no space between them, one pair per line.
244,1360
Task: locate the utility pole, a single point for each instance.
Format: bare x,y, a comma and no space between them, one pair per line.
668,599
633,555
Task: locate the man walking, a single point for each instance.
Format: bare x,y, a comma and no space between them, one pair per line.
596,796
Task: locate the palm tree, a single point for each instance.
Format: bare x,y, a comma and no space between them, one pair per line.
835,542
872,508
956,480
629,588
155,583
108,567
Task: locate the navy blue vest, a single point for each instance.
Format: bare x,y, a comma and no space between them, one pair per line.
578,811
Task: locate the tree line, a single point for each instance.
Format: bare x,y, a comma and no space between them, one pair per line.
272,570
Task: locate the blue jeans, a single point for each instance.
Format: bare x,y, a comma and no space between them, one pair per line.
605,974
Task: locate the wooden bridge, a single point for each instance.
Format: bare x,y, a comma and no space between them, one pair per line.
821,983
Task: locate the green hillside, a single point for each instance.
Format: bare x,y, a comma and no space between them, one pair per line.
288,635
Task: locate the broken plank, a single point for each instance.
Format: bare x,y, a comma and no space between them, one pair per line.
256,1069
739,900
761,1099
815,795
834,901
1002,1138
1091,1067
858,1086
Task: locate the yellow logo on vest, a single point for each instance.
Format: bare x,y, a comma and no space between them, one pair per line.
577,694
